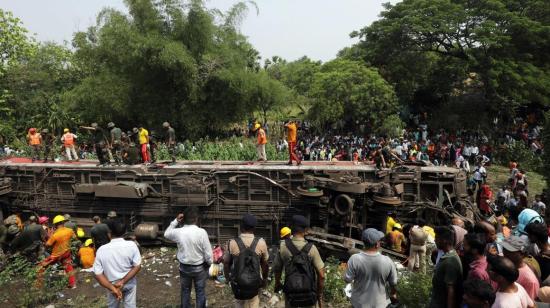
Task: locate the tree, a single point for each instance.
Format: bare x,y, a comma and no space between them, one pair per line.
428,48
350,91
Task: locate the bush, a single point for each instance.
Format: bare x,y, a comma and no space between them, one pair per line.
413,289
334,283
519,152
20,276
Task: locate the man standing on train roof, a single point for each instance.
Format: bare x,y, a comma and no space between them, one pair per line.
170,140
47,140
262,140
68,140
100,142
116,142
35,141
143,137
291,139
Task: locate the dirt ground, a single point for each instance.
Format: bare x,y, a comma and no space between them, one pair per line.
158,286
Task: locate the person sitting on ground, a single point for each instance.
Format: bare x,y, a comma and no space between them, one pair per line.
86,254
370,271
510,294
478,294
513,248
116,265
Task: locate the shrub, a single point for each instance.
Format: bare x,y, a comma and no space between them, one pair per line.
413,289
519,152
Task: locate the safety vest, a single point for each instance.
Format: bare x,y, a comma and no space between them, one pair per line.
35,139
261,136
68,139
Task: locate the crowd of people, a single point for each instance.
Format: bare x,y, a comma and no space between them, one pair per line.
110,145
497,263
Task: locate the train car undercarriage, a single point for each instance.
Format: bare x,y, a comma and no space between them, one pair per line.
339,198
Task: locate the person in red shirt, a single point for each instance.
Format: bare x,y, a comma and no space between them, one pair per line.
485,197
474,249
60,242
513,248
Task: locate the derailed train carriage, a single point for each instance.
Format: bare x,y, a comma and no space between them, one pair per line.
339,198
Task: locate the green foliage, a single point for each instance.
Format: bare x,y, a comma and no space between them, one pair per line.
545,170
519,152
241,149
15,44
350,91
334,283
391,126
20,276
413,289
436,49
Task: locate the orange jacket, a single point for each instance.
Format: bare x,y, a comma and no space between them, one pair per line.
68,139
262,139
61,241
291,135
34,139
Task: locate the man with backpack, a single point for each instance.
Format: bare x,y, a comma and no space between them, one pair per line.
304,275
245,262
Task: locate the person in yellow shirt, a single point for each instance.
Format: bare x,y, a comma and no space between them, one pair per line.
396,238
60,241
262,140
390,223
87,254
143,142
292,128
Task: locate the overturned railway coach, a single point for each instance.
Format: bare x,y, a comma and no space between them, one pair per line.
339,198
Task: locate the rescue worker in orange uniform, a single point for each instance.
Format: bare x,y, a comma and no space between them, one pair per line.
60,241
68,140
262,140
291,139
87,254
35,141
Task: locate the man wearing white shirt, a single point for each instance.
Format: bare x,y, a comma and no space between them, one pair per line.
194,255
116,265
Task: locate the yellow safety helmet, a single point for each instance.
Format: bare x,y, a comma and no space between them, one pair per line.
80,233
58,219
397,226
285,232
88,242
256,126
66,130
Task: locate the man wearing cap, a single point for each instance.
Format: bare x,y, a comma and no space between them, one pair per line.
261,142
47,139
61,251
194,254
100,142
99,233
248,224
170,140
513,249
68,140
447,277
116,143
370,271
35,142
283,259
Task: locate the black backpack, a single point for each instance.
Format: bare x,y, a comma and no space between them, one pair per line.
245,273
300,278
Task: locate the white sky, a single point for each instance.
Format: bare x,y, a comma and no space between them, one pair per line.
287,28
